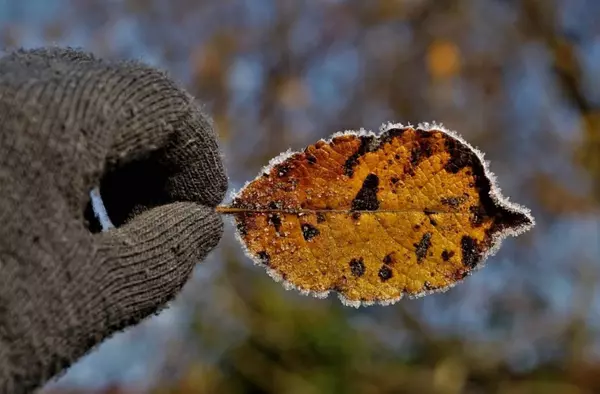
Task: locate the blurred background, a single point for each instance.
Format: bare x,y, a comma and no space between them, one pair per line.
518,79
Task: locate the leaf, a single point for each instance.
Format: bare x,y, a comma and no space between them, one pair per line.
373,217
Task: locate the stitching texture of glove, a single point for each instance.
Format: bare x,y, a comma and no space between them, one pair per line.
68,123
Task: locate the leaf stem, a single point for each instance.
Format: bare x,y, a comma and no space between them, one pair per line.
227,210
224,209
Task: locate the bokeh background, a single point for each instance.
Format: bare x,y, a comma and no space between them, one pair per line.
519,79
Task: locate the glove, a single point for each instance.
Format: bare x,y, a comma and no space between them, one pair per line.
70,122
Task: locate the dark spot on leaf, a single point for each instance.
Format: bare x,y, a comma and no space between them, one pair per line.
388,260
283,169
357,267
397,156
408,169
391,134
459,274
416,227
447,255
241,227
415,155
366,143
394,180
422,150
428,286
264,257
320,217
366,198
460,156
355,215
311,158
275,220
453,202
309,231
422,246
239,203
477,215
470,252
429,213
385,273
246,223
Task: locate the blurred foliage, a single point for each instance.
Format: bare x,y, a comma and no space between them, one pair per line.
519,79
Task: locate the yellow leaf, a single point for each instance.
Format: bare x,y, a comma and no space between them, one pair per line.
374,217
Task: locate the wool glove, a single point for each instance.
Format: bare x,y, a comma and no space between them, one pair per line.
70,122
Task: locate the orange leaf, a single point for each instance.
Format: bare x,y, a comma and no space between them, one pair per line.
374,217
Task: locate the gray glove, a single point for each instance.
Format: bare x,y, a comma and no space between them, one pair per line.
68,123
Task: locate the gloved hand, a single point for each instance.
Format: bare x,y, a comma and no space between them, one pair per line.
70,122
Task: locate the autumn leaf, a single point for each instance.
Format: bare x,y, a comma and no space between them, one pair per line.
409,211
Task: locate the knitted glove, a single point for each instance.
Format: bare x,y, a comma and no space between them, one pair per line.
68,123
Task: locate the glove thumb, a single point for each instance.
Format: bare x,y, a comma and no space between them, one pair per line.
150,258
